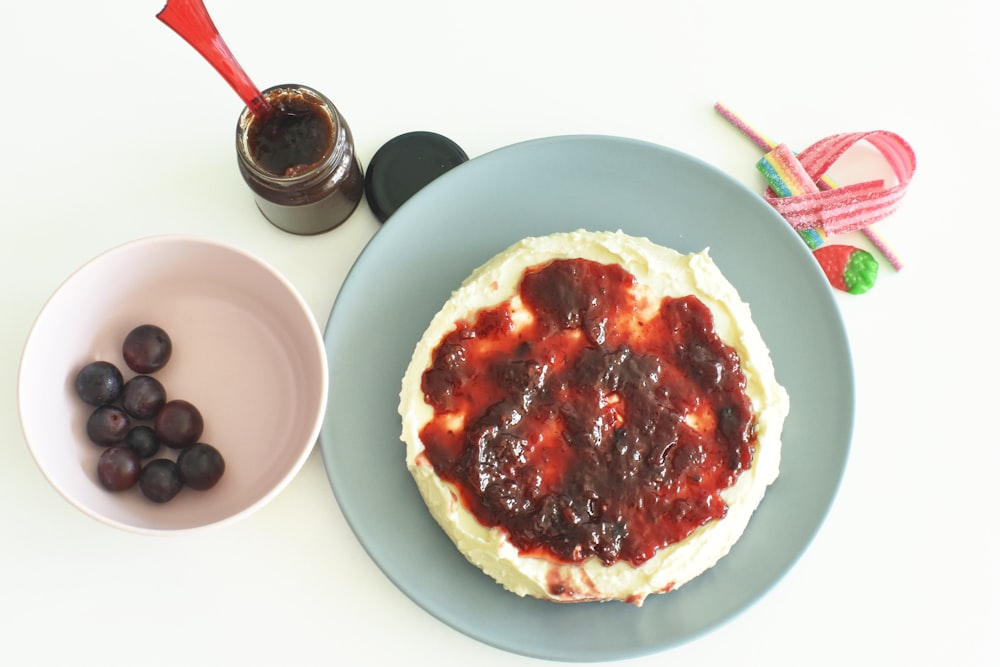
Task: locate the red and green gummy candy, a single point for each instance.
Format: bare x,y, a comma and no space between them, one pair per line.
850,269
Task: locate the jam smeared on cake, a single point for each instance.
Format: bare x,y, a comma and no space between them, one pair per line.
585,420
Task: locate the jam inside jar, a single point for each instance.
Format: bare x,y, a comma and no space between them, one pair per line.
299,161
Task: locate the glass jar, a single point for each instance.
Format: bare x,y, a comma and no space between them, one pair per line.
299,161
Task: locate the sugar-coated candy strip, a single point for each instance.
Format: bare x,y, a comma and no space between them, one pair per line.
883,247
787,178
757,137
748,131
814,238
784,173
899,156
850,207
844,209
819,157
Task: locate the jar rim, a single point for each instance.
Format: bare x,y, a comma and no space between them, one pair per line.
318,169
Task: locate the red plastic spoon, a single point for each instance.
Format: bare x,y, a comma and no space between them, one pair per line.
190,20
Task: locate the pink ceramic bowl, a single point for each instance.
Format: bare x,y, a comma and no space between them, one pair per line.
247,352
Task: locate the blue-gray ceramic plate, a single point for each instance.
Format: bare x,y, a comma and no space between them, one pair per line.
469,214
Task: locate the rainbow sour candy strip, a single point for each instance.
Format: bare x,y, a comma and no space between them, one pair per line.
859,205
784,173
787,178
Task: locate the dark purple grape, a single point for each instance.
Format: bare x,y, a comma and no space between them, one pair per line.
143,441
179,424
143,396
99,383
147,348
201,466
108,425
160,480
118,468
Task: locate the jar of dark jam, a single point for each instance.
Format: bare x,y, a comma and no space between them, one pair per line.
299,161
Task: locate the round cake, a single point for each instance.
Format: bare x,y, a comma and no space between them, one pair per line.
591,416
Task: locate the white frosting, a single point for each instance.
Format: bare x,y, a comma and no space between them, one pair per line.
664,272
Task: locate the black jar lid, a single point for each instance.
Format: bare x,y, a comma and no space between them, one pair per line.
404,165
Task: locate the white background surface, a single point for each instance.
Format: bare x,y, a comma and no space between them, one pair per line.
114,129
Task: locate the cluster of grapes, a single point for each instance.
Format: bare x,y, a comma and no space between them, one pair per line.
134,419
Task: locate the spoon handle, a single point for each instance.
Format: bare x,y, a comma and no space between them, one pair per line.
190,20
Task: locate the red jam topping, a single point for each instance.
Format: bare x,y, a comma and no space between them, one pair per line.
601,425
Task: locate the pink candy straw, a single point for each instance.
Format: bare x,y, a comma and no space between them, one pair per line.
826,183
